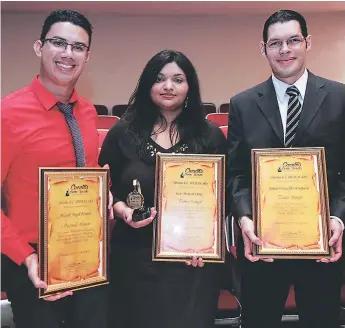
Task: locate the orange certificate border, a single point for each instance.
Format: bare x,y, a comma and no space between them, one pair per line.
217,162
322,249
72,173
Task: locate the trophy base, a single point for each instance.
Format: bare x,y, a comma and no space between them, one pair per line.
141,214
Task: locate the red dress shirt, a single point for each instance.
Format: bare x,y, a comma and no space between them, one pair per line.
35,134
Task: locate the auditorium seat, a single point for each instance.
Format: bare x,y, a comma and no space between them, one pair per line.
106,122
6,312
229,310
119,110
101,109
342,296
209,108
224,129
224,108
290,311
101,136
218,118
229,306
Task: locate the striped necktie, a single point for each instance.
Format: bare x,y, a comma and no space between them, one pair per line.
293,115
67,110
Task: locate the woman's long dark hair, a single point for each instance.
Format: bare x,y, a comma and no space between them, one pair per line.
142,113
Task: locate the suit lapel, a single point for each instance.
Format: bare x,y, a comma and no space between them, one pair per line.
268,105
313,99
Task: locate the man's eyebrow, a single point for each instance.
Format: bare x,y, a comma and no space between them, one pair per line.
63,39
58,37
292,36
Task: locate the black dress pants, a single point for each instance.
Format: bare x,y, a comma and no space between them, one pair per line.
265,287
147,294
84,309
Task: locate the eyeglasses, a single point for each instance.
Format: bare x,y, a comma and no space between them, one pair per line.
294,42
63,44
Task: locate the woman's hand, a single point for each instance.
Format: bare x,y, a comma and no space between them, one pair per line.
127,214
195,262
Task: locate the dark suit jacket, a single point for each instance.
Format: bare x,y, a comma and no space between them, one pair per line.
255,122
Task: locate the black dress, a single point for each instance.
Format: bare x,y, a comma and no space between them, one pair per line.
144,293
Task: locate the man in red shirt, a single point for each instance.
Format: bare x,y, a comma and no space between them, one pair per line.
35,134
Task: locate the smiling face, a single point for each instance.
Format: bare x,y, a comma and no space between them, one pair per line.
171,88
289,61
60,66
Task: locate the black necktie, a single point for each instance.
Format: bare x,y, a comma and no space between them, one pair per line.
67,110
293,115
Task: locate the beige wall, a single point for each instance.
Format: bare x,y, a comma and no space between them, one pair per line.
224,50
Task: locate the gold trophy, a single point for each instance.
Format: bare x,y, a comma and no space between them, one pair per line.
135,200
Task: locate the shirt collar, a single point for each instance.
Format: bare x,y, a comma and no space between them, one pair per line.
280,86
45,97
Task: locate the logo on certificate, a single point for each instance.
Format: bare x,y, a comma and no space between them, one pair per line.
188,172
285,166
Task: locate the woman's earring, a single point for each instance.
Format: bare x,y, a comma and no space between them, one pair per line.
186,102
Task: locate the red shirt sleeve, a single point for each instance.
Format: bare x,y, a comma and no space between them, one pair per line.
11,243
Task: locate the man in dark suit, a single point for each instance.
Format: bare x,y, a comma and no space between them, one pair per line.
259,118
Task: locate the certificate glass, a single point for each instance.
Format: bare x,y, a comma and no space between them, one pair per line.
290,203
73,243
189,198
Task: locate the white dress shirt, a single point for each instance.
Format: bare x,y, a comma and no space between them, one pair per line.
283,98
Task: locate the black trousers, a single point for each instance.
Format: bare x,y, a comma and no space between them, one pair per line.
146,294
84,309
265,288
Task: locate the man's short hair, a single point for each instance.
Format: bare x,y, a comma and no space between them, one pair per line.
283,16
70,16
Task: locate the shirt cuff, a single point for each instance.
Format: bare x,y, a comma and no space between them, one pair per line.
340,221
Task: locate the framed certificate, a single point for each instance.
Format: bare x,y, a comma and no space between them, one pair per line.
189,198
290,203
73,236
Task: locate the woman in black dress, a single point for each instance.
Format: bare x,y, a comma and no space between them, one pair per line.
165,114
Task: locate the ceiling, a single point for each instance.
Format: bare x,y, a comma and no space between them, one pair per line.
174,7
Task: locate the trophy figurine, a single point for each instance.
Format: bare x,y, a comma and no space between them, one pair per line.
135,200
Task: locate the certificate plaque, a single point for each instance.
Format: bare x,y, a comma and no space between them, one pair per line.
290,203
73,243
189,198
